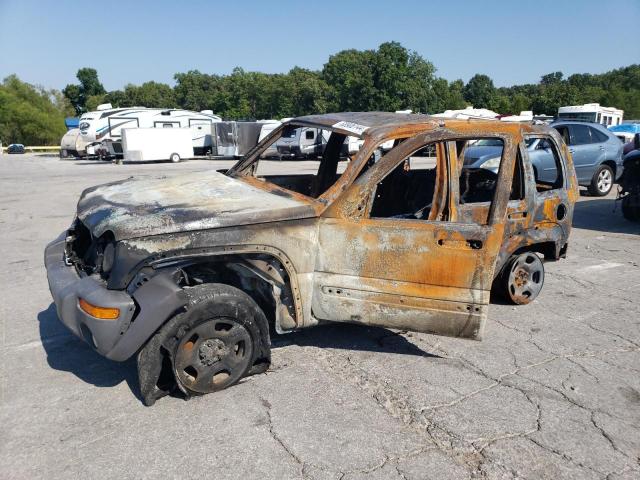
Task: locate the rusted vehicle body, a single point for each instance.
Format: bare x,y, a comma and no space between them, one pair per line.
187,272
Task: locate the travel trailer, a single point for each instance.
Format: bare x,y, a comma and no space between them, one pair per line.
234,139
72,144
153,144
106,124
269,126
592,112
467,113
525,116
301,142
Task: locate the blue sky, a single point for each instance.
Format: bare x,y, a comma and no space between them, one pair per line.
134,41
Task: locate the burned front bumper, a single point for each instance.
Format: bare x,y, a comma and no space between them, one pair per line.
141,313
68,287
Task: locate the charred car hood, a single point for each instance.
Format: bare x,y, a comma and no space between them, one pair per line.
152,206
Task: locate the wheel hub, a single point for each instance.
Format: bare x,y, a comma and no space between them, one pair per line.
211,351
525,278
212,355
521,278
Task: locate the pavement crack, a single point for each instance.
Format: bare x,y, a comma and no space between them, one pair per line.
276,437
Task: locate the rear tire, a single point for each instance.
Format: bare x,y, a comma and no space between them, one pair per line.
522,278
175,158
602,181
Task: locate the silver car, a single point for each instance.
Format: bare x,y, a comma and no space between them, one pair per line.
597,155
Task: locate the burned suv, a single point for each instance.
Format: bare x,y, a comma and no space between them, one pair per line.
386,226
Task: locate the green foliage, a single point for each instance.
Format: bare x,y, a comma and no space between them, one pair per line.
388,78
479,91
618,88
149,94
30,115
85,95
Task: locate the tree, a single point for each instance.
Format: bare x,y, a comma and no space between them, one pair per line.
149,94
389,78
350,77
89,87
200,91
479,91
30,115
306,92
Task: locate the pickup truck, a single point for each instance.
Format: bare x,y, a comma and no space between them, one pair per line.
192,273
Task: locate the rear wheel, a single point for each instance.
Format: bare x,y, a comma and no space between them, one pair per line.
602,181
522,278
175,158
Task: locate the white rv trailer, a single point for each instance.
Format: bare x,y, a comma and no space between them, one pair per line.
107,124
592,112
153,144
72,144
467,113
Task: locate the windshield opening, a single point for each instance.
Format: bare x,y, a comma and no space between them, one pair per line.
303,159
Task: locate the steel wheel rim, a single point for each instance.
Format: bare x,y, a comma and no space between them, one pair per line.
604,180
213,355
526,278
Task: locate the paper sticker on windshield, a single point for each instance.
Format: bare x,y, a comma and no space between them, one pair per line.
350,127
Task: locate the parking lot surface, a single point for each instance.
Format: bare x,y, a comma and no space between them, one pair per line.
552,392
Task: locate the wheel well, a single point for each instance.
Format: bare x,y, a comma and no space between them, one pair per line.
261,276
546,249
611,164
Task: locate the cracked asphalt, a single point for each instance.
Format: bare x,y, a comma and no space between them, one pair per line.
553,392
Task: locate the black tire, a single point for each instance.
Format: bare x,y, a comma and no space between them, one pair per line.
521,279
221,337
631,207
175,158
602,181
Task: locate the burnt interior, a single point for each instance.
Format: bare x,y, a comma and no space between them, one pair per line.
83,250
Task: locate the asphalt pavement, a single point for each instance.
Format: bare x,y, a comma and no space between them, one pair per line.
553,392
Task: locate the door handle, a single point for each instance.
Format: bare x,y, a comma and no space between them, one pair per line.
518,215
572,150
474,244
601,147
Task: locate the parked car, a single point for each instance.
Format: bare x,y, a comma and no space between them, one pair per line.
15,148
187,272
596,152
486,153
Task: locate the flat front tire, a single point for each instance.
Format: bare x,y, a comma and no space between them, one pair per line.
221,337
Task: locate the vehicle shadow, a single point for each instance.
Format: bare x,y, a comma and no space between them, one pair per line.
603,215
350,337
67,353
